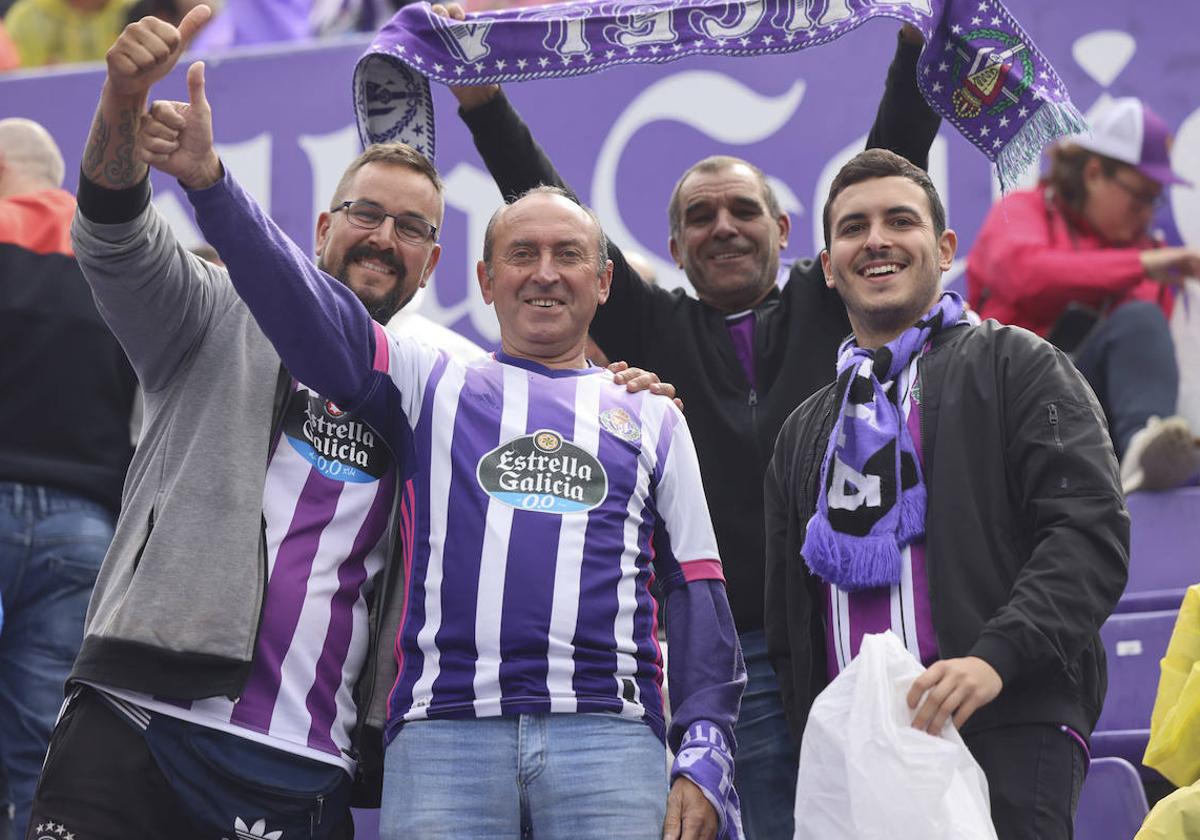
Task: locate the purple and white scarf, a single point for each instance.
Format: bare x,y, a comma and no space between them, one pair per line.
871,501
978,69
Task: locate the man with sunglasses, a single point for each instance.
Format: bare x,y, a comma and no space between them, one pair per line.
1074,260
237,650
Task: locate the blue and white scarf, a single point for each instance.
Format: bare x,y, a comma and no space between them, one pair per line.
871,501
978,69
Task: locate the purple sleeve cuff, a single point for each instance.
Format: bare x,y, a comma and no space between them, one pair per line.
706,672
706,759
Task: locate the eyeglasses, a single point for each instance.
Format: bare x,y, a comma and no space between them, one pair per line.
1149,200
368,216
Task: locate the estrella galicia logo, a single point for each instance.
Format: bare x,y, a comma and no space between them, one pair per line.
543,472
339,446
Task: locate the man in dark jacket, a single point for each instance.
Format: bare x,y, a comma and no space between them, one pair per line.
956,485
743,356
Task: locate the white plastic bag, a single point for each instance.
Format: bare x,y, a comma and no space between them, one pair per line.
866,774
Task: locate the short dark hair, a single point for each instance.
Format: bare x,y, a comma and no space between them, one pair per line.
1067,161
717,163
392,154
489,234
880,163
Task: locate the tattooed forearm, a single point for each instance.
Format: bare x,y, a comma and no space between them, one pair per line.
120,169
97,143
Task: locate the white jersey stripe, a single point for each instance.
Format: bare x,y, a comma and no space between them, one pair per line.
564,610
493,562
445,407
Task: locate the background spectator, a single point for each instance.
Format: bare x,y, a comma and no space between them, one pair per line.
63,31
1073,260
66,392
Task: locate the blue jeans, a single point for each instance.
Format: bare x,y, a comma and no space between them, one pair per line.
1129,360
545,776
51,546
766,762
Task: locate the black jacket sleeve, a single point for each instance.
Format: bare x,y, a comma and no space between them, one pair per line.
904,123
1066,476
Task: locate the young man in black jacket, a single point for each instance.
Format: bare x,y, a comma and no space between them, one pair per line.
743,356
957,486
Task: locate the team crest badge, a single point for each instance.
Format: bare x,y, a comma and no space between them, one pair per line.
618,422
988,80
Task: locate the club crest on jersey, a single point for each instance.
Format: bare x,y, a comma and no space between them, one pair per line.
618,422
542,472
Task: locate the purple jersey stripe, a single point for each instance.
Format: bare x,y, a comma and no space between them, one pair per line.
406,643
604,542
284,600
531,565
476,431
926,638
321,701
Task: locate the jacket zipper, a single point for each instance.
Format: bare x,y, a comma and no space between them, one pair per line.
1052,411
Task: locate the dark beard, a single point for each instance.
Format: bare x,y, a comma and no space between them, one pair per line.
380,308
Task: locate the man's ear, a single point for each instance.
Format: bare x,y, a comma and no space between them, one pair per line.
605,280
485,282
673,247
430,264
785,228
323,222
947,248
825,267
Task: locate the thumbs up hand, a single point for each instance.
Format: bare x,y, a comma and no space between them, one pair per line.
148,49
176,137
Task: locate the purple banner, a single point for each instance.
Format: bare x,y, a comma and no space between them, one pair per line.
284,120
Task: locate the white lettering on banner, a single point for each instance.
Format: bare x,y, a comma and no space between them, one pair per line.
251,160
472,191
866,488
327,156
466,40
745,18
709,102
642,27
566,37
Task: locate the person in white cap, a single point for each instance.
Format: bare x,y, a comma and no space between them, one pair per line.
1074,261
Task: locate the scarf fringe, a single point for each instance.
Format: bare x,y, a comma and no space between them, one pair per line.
1050,122
874,562
912,515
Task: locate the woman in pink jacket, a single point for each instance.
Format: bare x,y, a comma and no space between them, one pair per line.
1073,261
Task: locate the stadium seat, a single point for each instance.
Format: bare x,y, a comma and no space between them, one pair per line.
1134,643
1112,804
1163,544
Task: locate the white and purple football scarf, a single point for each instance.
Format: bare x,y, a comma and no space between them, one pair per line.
871,501
978,69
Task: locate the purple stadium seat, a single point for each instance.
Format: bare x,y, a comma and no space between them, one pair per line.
1163,544
366,824
1134,644
1112,804
1158,599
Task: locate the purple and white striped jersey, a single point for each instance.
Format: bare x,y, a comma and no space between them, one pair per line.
528,537
904,608
329,493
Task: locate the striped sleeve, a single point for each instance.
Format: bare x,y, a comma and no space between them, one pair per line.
684,542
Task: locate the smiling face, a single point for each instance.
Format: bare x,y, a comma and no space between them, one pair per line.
543,279
885,258
380,268
728,241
